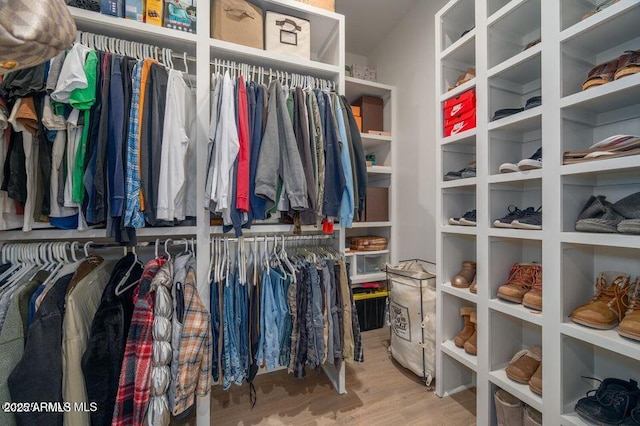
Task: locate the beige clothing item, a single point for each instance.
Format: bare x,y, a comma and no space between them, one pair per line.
81,306
348,346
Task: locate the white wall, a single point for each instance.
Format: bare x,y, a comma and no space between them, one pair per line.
406,59
353,58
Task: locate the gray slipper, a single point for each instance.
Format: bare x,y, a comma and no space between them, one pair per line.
629,226
629,206
598,215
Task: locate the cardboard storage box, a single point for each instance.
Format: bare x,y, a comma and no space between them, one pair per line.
376,205
112,7
237,21
134,9
180,15
329,5
371,111
287,34
154,12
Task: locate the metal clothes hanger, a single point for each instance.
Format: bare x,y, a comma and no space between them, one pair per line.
121,287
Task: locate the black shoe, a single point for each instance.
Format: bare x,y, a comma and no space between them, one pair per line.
533,102
514,214
611,403
531,219
505,112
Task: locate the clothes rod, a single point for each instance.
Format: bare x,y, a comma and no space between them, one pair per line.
276,237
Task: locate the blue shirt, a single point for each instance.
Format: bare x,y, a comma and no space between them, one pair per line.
347,205
133,217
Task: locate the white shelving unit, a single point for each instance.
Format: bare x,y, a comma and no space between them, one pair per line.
327,62
507,75
380,175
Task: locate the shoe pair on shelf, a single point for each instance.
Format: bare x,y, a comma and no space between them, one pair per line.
600,7
531,163
524,285
467,338
510,411
466,277
468,219
468,75
532,102
628,63
615,146
528,218
526,367
599,215
616,302
467,172
615,402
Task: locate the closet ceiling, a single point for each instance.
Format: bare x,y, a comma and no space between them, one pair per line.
369,21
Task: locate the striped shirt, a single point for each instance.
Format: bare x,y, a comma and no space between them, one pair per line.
133,216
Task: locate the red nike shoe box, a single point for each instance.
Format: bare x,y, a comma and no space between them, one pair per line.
460,123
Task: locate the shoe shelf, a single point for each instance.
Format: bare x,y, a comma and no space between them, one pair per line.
519,390
462,51
604,240
511,29
460,183
461,230
573,419
606,339
456,17
460,355
462,293
524,234
457,90
611,26
612,96
516,176
521,68
516,310
526,120
613,165
467,137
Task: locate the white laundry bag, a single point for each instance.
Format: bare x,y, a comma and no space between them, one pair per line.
413,329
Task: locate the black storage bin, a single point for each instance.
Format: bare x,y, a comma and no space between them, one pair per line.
371,308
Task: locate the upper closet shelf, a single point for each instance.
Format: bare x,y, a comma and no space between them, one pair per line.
519,17
278,61
373,142
457,90
610,27
462,50
356,87
54,234
465,138
127,29
607,97
522,68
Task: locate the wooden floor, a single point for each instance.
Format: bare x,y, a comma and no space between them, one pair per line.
379,392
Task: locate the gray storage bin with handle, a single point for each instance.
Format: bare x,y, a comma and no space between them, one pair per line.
412,316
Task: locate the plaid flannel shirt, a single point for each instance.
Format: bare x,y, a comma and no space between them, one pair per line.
135,376
133,216
194,361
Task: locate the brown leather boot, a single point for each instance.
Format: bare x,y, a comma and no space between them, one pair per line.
471,345
463,278
605,310
521,279
473,288
468,329
630,325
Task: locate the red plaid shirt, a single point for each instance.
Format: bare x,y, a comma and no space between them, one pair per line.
135,377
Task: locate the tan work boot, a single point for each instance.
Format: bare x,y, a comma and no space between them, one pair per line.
524,364
533,298
521,279
605,310
471,345
630,325
464,278
508,409
468,329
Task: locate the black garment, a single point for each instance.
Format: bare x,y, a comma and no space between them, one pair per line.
102,360
17,182
99,180
38,375
360,160
23,83
151,138
45,154
304,281
337,315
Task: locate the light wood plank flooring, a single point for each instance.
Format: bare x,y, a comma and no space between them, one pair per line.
379,392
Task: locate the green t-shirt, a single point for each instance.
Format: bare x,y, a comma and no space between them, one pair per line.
83,100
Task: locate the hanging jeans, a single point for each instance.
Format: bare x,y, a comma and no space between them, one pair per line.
242,328
230,358
215,329
292,301
287,325
315,320
269,346
280,305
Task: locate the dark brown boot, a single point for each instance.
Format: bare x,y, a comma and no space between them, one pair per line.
464,278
